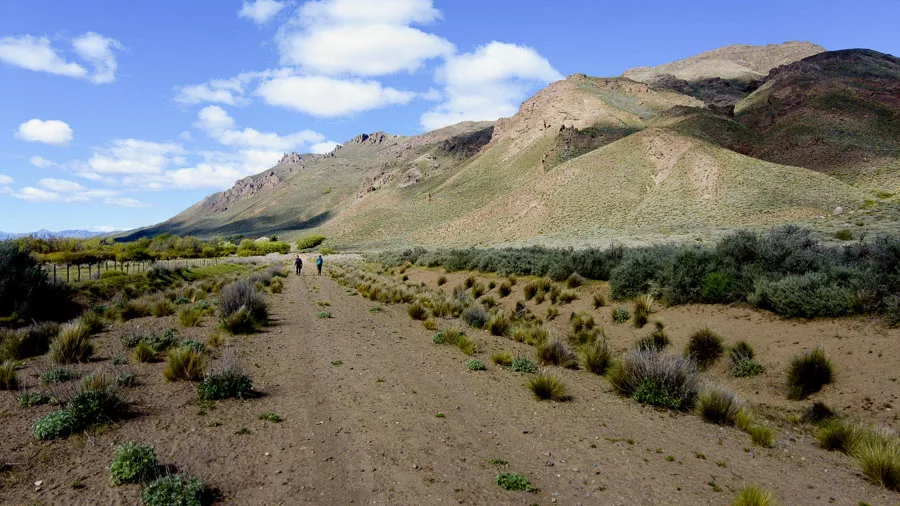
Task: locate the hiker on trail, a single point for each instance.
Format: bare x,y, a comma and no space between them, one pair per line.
319,264
298,264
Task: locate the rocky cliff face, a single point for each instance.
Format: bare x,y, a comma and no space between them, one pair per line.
243,189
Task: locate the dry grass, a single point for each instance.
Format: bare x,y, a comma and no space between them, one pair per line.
643,307
9,380
190,317
717,405
184,364
547,387
754,495
143,352
502,358
72,344
555,353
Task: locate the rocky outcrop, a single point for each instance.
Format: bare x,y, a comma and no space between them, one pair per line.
718,94
467,145
244,188
572,142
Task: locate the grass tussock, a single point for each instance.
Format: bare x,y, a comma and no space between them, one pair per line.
163,307
643,307
839,434
744,419
808,373
878,456
144,353
742,364
466,345
761,436
656,379
717,405
599,300
72,344
9,379
546,386
705,348
184,364
190,316
555,353
502,358
595,357
754,495
417,311
498,324
658,340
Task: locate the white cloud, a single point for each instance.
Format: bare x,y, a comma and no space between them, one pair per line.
360,37
4,179
324,147
36,54
217,124
101,228
125,202
60,185
488,83
225,91
40,162
260,11
32,194
99,51
134,156
219,170
54,132
327,97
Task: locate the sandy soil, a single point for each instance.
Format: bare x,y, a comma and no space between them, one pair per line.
359,393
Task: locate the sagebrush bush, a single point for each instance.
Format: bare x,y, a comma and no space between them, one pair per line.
575,280
175,490
502,358
190,316
133,463
704,348
643,306
72,344
522,364
754,495
595,357
657,379
547,387
184,364
476,316
808,373
555,353
242,296
9,380
717,405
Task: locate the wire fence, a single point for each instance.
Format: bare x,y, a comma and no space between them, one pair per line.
75,273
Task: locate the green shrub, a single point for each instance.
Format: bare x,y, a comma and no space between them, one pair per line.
716,405
230,382
514,481
9,380
745,368
31,399
620,315
704,348
310,241
161,342
843,235
595,357
547,387
57,375
417,312
753,495
658,340
761,436
57,424
656,379
476,316
473,364
72,344
144,353
574,280
522,364
134,463
808,295
184,364
190,316
502,359
808,373
643,306
555,353
717,288
175,490
270,417
323,314
194,345
27,292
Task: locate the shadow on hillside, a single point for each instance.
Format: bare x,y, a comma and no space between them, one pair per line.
258,226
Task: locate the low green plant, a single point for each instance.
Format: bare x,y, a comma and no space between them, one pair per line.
270,417
522,364
30,399
134,463
175,490
620,314
547,387
57,424
473,364
231,382
57,375
754,495
514,481
194,345
323,314
746,367
808,373
704,348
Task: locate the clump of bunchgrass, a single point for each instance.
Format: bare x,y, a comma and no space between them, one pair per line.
599,300
466,345
546,386
761,436
839,434
704,348
143,352
502,358
498,324
555,353
190,316
808,373
184,364
72,344
417,311
9,379
643,306
595,357
658,340
754,495
878,456
717,405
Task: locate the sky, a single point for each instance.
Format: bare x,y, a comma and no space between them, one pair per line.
116,115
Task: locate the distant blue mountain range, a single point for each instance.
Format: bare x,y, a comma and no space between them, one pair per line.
46,234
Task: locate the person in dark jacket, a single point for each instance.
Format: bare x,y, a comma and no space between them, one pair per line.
298,264
319,264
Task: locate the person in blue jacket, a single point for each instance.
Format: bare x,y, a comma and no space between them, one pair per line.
319,264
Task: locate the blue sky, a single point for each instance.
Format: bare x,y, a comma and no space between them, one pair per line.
115,115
